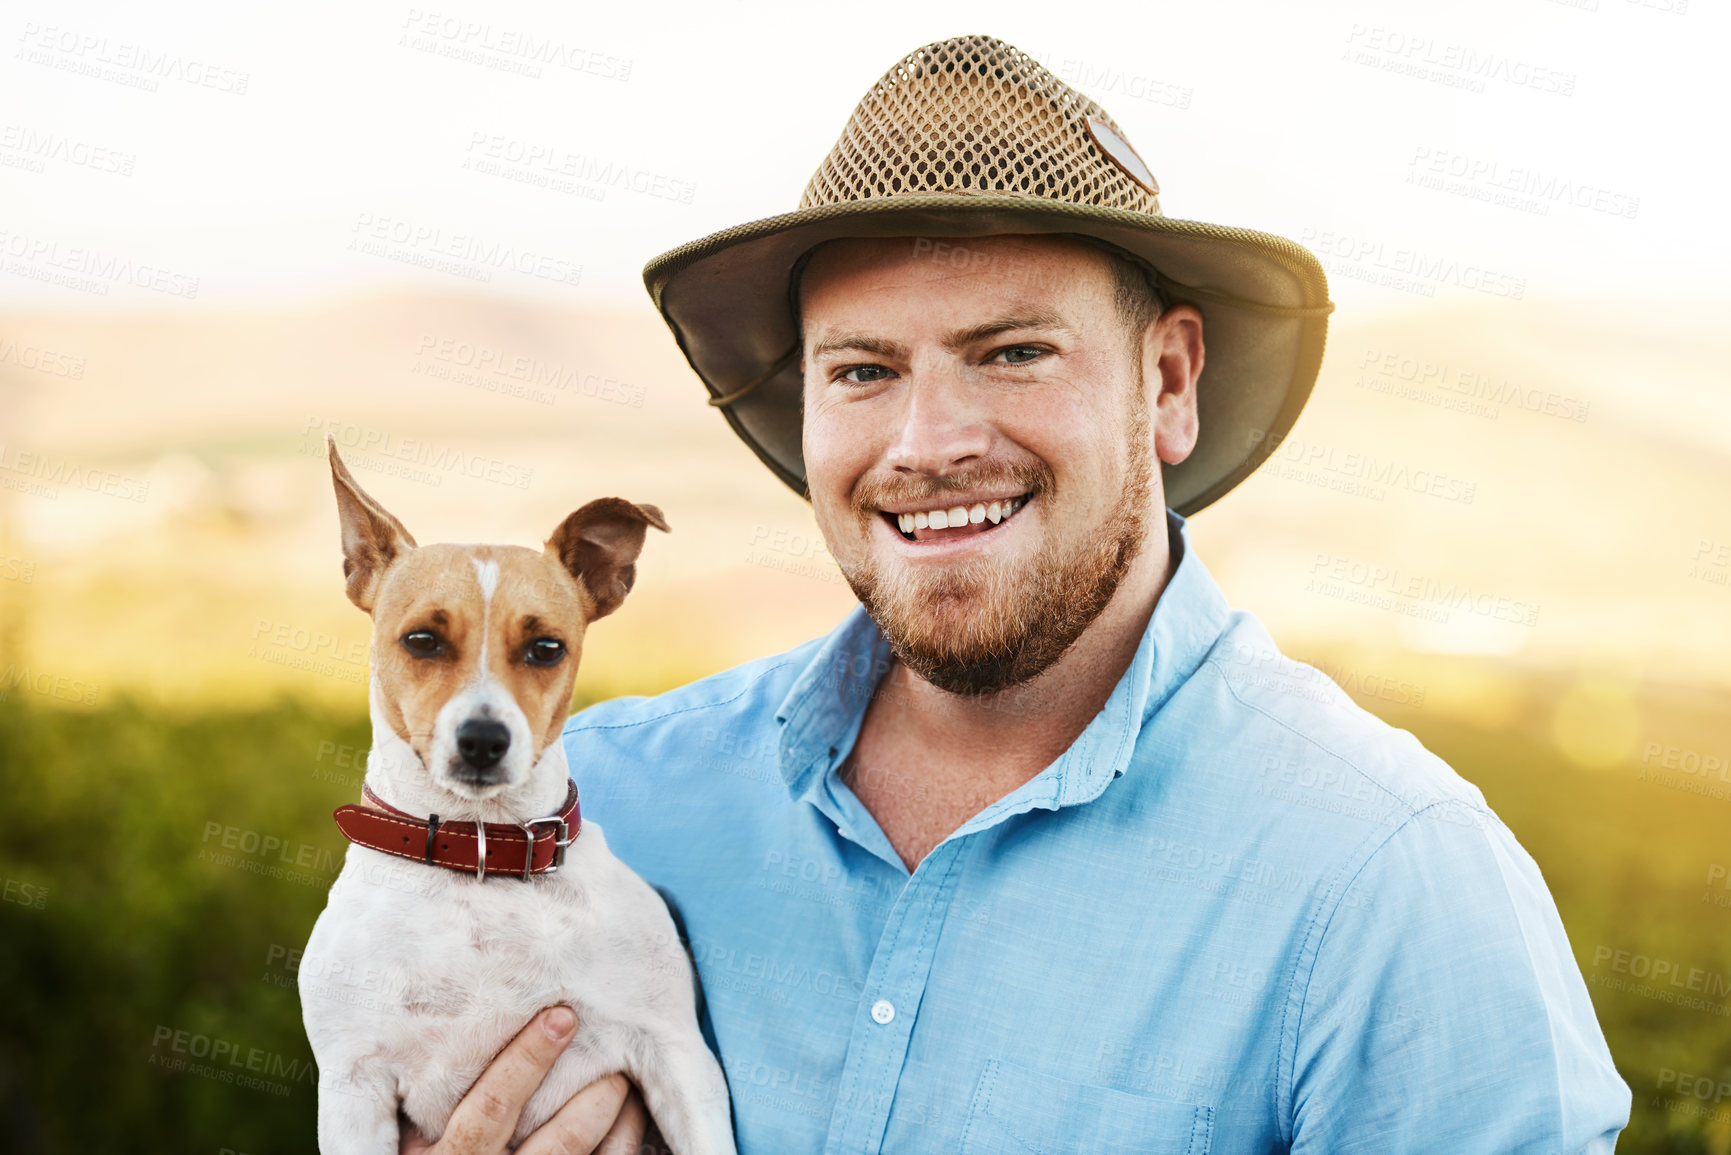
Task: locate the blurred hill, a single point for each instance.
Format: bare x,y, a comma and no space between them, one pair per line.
1514,486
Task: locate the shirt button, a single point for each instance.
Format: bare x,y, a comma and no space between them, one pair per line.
883,1011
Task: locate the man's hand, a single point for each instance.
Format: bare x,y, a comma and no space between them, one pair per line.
607,1116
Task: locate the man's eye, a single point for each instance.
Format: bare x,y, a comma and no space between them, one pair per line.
1020,354
422,643
864,374
544,652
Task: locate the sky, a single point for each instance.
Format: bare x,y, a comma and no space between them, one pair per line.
1529,189
194,156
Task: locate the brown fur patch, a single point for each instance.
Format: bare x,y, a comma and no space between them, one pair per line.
583,573
599,545
436,588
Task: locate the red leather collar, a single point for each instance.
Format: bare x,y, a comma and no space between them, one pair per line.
483,848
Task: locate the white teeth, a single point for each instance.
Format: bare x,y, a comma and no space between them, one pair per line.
994,512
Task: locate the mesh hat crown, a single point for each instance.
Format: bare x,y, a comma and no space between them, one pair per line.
975,116
972,137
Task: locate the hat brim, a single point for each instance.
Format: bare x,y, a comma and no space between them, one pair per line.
1263,299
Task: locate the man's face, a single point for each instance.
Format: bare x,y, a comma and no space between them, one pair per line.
1003,384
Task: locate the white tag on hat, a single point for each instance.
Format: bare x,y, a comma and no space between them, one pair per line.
1119,152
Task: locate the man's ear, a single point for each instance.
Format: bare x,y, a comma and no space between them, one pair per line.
372,538
599,545
1172,356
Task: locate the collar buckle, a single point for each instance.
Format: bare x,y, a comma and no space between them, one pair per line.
561,839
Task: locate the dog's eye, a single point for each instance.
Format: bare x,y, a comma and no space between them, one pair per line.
421,643
544,652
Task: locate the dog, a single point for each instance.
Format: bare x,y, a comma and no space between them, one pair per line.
442,938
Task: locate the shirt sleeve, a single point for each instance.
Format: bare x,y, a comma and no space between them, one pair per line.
1445,1011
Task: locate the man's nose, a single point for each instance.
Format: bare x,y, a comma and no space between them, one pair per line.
941,427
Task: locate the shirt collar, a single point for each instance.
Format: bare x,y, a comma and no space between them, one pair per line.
822,712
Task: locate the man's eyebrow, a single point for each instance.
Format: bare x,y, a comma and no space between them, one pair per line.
877,346
1039,319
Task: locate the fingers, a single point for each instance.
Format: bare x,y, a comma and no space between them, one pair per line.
409,1140
484,1120
653,1143
579,1126
627,1135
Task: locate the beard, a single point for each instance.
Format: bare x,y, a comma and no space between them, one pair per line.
980,627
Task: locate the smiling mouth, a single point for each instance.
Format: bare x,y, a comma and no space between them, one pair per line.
948,522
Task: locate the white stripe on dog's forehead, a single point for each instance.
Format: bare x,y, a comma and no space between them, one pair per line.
487,573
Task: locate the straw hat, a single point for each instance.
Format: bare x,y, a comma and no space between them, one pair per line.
972,137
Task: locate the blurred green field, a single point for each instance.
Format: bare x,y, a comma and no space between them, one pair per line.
135,939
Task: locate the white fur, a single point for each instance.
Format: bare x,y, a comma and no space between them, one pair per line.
483,697
415,976
487,573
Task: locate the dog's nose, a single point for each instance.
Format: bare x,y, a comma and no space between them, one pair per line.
482,742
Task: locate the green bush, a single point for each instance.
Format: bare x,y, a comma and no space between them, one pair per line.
138,926
159,868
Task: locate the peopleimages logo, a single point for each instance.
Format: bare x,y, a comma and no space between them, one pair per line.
1362,474
34,148
448,358
88,270
497,154
1664,979
521,51
123,62
1388,587
1407,269
228,1061
41,359
1460,66
1519,187
57,471
460,254
1460,387
412,457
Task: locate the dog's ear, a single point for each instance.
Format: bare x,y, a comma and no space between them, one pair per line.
372,538
599,545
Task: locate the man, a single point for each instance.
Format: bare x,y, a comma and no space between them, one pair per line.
1046,848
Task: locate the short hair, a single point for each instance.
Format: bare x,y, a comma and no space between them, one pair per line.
1135,291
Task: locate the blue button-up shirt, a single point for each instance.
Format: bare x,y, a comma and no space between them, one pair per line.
1238,914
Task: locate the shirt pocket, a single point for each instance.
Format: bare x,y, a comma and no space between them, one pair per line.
1017,1111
